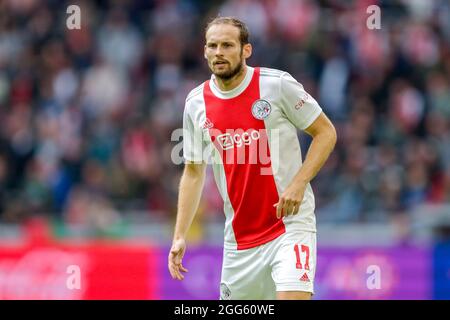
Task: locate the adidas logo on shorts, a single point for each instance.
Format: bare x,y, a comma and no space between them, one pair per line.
304,278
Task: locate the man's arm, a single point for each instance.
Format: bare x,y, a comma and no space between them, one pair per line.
323,142
190,191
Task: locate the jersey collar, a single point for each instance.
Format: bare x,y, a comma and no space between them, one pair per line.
233,92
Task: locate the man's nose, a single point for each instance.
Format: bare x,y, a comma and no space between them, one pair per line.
219,51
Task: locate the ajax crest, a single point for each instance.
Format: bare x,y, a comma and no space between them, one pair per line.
261,109
225,292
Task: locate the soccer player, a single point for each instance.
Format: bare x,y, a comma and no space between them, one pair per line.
247,119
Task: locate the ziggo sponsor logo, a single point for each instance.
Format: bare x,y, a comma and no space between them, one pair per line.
228,140
243,147
235,146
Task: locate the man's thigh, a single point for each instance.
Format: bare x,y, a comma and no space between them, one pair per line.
294,295
246,276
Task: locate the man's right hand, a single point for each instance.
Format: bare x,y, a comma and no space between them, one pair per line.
175,259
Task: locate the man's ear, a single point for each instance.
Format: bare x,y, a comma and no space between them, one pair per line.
204,52
247,50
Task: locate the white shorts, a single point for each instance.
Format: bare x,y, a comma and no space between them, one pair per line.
287,263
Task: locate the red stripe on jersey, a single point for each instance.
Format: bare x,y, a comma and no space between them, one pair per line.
238,135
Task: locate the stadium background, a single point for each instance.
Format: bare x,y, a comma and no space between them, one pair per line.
86,116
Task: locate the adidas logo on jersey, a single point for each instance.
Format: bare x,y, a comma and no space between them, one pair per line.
207,124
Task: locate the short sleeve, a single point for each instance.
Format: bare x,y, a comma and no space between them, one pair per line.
192,139
299,106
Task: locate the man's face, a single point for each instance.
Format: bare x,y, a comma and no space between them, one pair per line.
224,52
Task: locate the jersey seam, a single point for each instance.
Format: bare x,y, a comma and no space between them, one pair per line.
195,92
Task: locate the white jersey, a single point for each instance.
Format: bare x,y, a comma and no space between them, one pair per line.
249,134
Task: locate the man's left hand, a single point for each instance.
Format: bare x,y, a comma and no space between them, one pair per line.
291,199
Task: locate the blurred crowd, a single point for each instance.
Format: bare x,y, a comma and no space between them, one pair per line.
86,115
